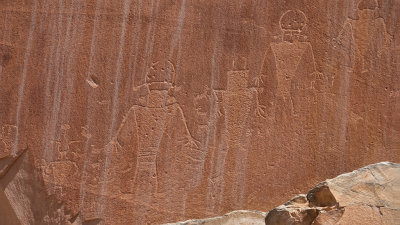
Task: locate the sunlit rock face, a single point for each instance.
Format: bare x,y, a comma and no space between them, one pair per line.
364,196
135,112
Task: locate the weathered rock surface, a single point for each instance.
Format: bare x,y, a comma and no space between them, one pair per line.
240,217
154,111
365,196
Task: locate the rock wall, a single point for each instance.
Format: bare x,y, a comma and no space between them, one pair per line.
134,112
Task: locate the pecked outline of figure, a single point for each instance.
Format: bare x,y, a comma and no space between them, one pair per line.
236,106
157,153
63,168
211,128
363,46
363,37
288,65
289,85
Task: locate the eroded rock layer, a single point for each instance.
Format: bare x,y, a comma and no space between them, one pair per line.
139,111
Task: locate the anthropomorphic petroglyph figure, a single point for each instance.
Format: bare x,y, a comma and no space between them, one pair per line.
62,166
210,123
236,102
65,159
288,89
288,65
364,45
155,150
293,53
364,39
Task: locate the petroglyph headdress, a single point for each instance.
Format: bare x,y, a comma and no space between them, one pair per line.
293,20
293,23
368,4
161,72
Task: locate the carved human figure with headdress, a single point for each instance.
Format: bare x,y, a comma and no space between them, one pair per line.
363,46
235,107
154,147
288,65
365,39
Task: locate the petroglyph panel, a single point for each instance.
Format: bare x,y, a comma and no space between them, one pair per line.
148,112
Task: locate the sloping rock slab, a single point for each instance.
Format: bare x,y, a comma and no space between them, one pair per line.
241,217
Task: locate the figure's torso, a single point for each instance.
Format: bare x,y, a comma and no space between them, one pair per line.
287,59
368,32
237,108
151,123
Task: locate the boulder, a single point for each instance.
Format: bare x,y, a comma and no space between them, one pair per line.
369,195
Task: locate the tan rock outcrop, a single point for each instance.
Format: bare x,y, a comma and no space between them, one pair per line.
369,195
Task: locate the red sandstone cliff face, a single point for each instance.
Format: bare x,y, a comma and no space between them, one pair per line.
134,112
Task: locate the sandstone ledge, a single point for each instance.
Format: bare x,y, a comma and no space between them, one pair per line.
369,195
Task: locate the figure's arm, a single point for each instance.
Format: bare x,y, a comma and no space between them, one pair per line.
123,148
218,94
345,36
192,141
344,46
314,77
259,79
266,88
260,109
127,130
387,38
